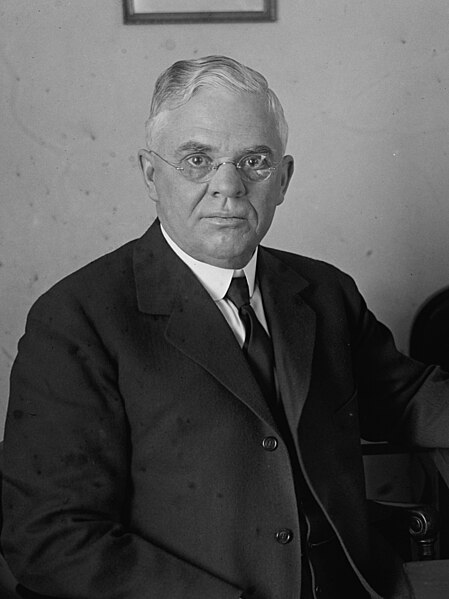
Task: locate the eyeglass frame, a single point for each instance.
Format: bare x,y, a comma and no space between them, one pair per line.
215,167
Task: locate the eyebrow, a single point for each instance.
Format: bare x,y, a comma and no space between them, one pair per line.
259,150
193,146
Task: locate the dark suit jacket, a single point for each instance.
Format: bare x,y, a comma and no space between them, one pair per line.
134,464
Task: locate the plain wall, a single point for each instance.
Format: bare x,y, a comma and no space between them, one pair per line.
364,84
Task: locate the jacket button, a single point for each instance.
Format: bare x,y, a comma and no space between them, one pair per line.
284,536
270,443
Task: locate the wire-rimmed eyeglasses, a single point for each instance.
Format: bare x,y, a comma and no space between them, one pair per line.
200,168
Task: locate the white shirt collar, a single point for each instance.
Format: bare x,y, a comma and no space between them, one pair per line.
214,279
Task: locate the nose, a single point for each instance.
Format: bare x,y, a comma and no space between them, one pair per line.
226,181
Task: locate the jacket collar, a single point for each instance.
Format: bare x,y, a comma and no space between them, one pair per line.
166,286
292,326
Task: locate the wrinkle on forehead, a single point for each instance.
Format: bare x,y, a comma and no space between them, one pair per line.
220,121
193,147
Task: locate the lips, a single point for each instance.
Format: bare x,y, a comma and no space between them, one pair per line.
226,216
226,221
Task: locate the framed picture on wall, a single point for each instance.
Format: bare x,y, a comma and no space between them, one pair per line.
197,11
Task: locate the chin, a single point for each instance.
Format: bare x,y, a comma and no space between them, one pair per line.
232,259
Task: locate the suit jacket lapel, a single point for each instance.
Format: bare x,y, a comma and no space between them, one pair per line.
165,285
292,328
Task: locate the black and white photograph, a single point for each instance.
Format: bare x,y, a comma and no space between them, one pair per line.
224,299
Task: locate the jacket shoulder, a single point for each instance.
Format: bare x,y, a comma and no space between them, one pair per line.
313,270
106,279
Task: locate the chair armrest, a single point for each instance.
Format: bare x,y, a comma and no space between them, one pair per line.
422,522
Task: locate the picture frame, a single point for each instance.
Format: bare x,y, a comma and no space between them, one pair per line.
197,11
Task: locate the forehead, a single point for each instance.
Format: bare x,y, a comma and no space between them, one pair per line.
226,122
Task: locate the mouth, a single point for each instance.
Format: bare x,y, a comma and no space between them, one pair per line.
220,220
225,217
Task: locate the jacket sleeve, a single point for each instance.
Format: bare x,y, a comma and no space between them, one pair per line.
400,399
67,483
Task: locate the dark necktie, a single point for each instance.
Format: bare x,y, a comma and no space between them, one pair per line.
257,346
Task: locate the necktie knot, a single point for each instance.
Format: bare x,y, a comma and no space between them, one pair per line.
238,292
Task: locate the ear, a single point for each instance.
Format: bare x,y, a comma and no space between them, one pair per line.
148,173
287,168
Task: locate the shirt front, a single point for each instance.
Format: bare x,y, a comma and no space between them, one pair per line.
216,281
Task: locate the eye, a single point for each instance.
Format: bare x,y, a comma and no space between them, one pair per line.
254,162
197,161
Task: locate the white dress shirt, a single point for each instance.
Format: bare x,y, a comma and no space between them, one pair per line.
216,281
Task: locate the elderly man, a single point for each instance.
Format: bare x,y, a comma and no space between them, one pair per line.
186,412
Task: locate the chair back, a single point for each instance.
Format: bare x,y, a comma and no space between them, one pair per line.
429,339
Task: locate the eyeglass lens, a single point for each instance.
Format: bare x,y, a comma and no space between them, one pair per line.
244,167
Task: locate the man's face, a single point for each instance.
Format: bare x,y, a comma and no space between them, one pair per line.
223,220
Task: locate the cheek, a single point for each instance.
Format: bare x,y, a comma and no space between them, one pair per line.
263,209
173,200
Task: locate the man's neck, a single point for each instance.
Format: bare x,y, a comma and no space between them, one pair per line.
215,279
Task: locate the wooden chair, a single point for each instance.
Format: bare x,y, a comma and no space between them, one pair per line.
429,343
402,493
429,338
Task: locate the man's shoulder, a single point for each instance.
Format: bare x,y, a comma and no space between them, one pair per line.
110,269
323,285
95,287
311,269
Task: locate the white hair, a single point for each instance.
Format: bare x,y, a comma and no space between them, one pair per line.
176,85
